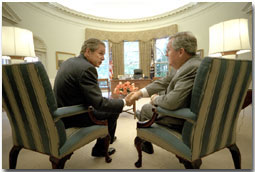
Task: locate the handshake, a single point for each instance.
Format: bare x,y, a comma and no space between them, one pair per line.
132,97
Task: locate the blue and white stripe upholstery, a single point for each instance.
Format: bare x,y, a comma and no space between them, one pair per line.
30,104
218,94
219,91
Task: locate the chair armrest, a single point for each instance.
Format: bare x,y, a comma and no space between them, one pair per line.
69,111
96,121
76,110
147,124
183,113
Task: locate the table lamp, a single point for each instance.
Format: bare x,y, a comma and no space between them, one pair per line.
229,38
17,43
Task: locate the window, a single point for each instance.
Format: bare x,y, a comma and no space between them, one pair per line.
103,70
131,57
161,60
6,60
31,59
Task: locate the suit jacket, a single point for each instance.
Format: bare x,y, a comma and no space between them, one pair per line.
77,83
177,86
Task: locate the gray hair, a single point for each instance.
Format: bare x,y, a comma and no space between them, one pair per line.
185,40
91,44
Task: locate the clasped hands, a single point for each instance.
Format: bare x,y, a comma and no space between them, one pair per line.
133,96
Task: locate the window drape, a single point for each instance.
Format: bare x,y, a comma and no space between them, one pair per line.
145,56
117,39
117,58
145,35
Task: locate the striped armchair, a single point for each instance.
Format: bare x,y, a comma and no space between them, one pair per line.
35,120
217,97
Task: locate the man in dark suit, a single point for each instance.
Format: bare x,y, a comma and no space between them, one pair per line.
177,85
77,83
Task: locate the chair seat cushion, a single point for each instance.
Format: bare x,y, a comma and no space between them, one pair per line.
165,138
78,137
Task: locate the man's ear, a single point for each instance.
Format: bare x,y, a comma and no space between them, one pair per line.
182,51
86,53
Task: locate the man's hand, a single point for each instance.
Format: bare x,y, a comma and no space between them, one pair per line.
136,95
153,97
128,99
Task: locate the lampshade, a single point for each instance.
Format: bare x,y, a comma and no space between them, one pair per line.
229,37
17,42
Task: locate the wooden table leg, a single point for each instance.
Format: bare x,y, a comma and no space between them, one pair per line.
134,109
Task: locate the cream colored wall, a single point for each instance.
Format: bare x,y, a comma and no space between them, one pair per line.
199,24
66,33
57,35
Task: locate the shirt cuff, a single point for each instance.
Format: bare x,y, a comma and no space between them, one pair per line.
124,101
144,92
153,99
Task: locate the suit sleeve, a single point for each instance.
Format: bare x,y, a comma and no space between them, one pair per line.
93,95
179,97
161,84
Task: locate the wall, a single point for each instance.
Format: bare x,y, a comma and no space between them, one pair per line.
66,33
200,23
56,34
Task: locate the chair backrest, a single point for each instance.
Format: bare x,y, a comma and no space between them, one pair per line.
104,84
138,73
29,102
217,97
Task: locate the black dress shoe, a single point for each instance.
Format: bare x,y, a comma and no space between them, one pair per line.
100,152
113,140
147,147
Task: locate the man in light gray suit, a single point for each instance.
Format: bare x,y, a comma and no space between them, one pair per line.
181,52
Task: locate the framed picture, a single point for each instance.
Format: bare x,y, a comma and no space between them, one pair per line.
61,57
200,53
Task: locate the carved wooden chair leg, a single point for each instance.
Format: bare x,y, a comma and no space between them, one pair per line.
13,156
190,165
59,163
236,156
138,145
196,164
181,160
108,159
